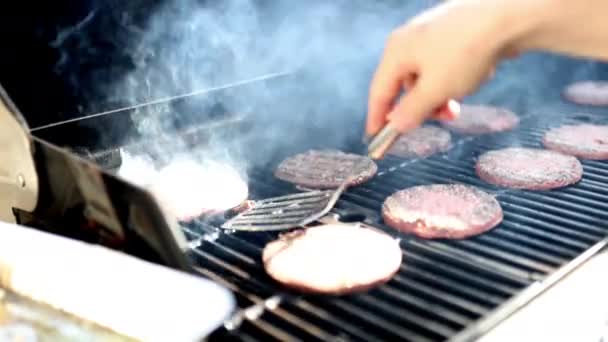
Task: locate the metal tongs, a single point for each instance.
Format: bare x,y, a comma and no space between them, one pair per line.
383,141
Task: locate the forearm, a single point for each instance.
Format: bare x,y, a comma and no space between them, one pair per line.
573,27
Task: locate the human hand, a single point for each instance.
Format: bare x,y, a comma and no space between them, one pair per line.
442,54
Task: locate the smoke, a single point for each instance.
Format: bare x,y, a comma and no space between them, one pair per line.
532,84
179,46
188,45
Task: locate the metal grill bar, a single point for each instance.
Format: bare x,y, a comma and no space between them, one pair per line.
539,239
499,287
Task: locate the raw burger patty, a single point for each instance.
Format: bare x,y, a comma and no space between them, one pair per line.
325,169
422,142
189,189
450,211
594,93
583,141
479,119
527,168
332,259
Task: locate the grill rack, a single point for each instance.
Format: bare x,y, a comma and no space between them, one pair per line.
444,288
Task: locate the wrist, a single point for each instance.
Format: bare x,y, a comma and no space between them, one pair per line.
526,24
522,23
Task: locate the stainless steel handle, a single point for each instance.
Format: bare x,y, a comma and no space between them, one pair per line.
382,142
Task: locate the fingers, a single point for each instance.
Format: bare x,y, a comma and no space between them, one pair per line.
447,112
416,106
385,88
390,78
511,53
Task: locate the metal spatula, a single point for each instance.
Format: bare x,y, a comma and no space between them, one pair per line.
287,212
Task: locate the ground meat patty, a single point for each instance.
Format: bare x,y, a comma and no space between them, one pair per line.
594,93
421,142
449,211
480,119
325,169
583,141
188,189
332,259
526,168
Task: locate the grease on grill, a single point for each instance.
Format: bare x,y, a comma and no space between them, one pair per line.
528,168
584,140
325,169
451,211
421,142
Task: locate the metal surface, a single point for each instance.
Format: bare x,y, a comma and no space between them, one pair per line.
80,200
286,212
383,141
22,319
18,179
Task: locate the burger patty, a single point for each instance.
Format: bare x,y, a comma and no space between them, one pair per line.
449,211
421,142
594,93
325,169
332,259
188,189
527,168
480,119
584,141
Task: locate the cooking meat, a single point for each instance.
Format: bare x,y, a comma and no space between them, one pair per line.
448,211
189,189
332,259
481,119
594,93
584,141
527,168
325,169
421,142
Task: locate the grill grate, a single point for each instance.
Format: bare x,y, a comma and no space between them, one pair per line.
443,287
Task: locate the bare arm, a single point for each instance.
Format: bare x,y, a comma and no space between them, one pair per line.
578,28
448,51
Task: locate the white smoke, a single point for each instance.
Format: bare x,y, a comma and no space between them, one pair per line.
187,45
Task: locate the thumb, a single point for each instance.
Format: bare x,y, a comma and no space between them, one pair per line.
415,107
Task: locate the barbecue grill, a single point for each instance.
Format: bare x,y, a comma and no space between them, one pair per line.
445,290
